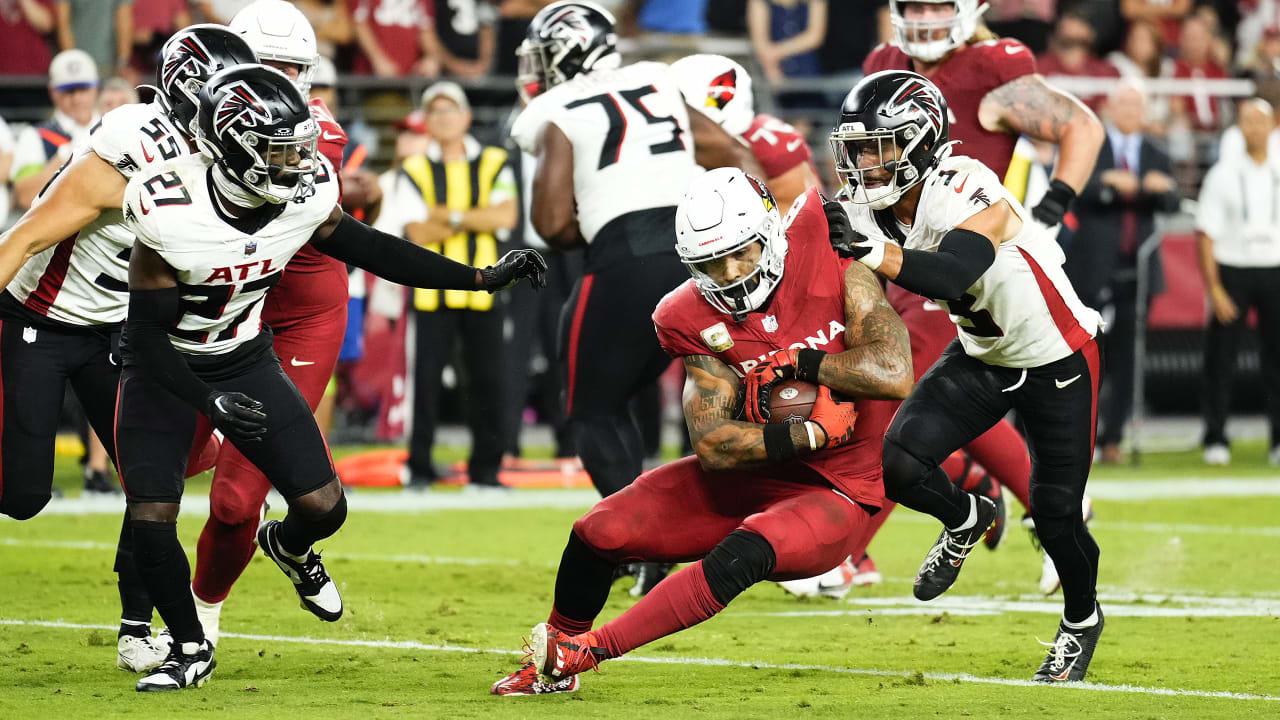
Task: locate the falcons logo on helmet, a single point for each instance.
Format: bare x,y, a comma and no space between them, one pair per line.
570,27
239,104
189,58
722,89
916,94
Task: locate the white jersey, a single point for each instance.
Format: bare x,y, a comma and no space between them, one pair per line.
1022,312
223,272
84,280
632,146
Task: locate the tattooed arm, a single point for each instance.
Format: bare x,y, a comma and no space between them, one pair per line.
877,361
722,443
1028,105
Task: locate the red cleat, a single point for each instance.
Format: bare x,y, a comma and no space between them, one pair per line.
558,656
526,681
865,572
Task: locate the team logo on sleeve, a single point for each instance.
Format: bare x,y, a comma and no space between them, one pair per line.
723,88
240,104
717,337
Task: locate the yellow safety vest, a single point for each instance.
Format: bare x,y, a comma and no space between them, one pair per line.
464,184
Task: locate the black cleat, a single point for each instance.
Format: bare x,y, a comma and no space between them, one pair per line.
942,565
648,575
98,481
188,664
317,591
1070,653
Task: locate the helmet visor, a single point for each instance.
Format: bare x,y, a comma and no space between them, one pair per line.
738,296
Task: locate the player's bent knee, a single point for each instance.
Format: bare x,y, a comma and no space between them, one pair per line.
233,508
741,560
23,506
327,523
605,531
1051,501
902,470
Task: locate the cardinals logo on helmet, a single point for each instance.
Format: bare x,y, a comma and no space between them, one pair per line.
765,196
722,89
239,103
917,95
191,56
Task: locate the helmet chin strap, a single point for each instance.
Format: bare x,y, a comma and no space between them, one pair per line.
231,189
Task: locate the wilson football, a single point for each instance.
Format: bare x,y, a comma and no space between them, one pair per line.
791,401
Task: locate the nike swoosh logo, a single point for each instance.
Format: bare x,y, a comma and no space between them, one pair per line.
960,188
146,155
300,363
1063,383
1063,675
791,146
144,209
1012,49
331,136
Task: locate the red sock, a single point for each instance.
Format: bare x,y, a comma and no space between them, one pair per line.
1003,452
955,465
567,625
678,602
222,554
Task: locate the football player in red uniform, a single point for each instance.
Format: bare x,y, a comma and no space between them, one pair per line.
307,313
721,89
994,95
759,501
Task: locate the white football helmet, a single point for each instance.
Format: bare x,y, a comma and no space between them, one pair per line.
724,211
915,37
719,87
278,31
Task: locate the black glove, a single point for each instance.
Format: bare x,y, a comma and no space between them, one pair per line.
512,267
237,415
1055,204
847,242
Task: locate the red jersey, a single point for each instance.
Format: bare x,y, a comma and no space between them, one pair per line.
778,147
806,310
965,78
332,140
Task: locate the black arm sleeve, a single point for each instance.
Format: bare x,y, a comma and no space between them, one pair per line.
151,314
394,259
961,258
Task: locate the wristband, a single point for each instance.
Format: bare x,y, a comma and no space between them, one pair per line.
807,362
813,439
777,443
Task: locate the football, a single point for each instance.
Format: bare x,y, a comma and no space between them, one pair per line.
791,401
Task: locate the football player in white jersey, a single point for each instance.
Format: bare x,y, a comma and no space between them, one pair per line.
945,227
616,148
65,265
214,233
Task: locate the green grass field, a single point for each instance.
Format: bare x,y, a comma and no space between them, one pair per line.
437,601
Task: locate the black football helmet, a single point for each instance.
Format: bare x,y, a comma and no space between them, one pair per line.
563,40
189,58
254,122
895,120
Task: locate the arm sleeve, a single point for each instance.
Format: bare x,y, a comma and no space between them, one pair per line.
151,314
961,258
394,259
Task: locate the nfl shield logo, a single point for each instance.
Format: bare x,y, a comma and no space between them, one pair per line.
250,248
28,335
770,323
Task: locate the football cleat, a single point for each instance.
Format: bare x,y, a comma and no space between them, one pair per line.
317,591
941,566
1218,455
142,654
558,656
1070,653
834,583
209,615
99,481
527,681
186,665
865,572
648,575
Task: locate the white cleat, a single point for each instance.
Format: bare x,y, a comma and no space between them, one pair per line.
209,615
1217,455
186,665
834,583
141,654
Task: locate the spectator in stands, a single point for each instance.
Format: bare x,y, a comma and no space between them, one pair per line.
1131,182
1255,18
464,34
102,28
1238,232
220,11
1027,20
1263,64
680,17
153,22
331,20
1166,14
395,38
1071,52
1200,110
1142,58
851,36
24,25
786,35
466,222
513,20
116,92
41,149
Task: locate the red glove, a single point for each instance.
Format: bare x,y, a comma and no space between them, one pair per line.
834,417
759,382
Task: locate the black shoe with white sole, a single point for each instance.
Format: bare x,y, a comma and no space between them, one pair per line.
1070,653
188,664
942,565
317,591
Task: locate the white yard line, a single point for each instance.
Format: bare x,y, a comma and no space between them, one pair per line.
1117,605
709,662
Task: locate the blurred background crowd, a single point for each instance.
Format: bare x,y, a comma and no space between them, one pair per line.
1190,62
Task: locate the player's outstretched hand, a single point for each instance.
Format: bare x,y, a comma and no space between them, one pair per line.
512,268
836,418
850,243
237,415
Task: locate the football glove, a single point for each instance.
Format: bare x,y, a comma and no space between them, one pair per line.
836,418
1055,204
237,415
788,364
850,243
512,268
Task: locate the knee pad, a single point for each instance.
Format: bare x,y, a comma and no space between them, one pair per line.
155,544
740,560
603,531
23,506
1050,501
901,470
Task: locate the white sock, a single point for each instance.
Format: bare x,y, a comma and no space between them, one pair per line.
973,516
1087,623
